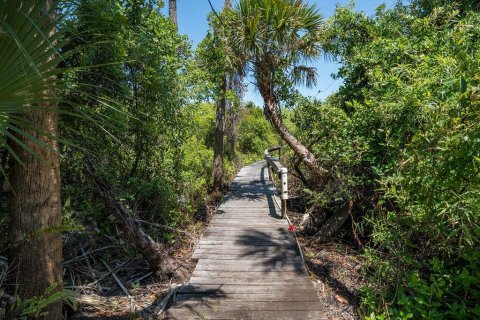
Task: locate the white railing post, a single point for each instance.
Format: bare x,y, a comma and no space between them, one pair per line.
284,190
274,165
269,168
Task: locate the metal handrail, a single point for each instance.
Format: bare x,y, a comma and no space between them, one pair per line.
274,165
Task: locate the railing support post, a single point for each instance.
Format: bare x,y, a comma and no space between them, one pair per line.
274,165
270,177
284,190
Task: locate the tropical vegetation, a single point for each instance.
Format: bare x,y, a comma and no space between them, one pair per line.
114,130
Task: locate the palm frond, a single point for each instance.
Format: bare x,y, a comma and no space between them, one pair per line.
29,53
32,65
304,75
278,35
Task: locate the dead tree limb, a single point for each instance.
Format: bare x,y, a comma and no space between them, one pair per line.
333,224
154,253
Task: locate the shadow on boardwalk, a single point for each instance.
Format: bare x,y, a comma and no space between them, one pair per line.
248,261
277,255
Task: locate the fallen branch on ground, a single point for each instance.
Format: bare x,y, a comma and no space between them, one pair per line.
188,234
160,308
154,253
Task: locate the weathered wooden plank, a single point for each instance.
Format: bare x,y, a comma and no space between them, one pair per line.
248,228
237,204
241,265
259,231
254,245
279,267
247,222
254,225
242,255
245,215
254,242
248,216
245,274
246,252
252,305
188,313
228,237
236,256
251,280
244,288
267,249
291,295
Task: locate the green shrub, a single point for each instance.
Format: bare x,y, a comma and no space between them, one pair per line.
401,139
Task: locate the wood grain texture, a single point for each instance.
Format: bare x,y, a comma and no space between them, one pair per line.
249,265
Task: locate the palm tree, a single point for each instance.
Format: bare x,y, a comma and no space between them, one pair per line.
29,47
273,38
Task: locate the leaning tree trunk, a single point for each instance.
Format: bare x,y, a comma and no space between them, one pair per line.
272,112
154,253
35,207
219,141
172,11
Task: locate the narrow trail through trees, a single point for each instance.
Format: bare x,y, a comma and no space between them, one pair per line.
249,265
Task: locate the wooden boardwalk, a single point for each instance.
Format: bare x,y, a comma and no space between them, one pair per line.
249,265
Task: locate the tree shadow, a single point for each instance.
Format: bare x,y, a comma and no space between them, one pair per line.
196,296
275,253
324,271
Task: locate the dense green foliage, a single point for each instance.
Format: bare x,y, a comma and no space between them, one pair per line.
399,142
141,67
158,155
137,102
402,141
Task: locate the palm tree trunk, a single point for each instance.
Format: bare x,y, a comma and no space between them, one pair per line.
272,113
271,110
219,141
172,11
35,212
232,133
232,119
35,208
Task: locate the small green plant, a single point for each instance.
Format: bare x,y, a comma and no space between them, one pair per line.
35,307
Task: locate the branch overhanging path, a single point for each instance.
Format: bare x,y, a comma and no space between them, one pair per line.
249,265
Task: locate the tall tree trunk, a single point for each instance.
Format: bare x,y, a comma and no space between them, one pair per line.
232,132
231,120
35,212
272,112
219,143
236,84
172,11
35,208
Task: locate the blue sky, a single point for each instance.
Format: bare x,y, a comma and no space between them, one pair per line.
192,21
